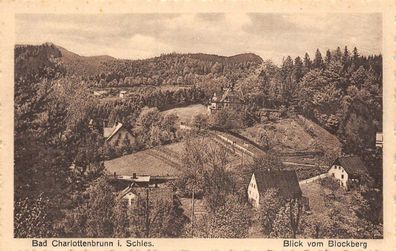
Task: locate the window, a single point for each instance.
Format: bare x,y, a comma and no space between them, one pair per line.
342,176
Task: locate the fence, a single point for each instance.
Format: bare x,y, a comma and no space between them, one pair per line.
321,176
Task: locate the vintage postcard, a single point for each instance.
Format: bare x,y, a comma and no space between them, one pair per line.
193,125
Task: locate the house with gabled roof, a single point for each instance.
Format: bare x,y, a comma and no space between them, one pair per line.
285,181
156,195
348,170
229,99
118,136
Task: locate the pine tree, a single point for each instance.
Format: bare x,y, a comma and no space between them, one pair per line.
328,57
355,55
307,62
318,61
298,70
346,57
338,54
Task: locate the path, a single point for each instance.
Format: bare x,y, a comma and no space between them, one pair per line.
312,179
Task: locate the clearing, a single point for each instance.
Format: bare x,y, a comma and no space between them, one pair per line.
187,113
301,144
157,161
161,160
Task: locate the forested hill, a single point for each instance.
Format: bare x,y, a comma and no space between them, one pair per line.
174,68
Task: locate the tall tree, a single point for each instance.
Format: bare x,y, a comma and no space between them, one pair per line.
307,62
355,55
298,70
338,54
328,57
346,57
318,61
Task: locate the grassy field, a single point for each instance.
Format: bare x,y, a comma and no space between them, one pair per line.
158,161
148,162
186,114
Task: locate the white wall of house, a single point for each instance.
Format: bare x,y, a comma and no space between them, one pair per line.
129,197
253,193
119,139
339,173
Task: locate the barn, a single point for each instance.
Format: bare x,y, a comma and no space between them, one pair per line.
285,181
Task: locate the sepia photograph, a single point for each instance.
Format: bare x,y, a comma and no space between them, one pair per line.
198,125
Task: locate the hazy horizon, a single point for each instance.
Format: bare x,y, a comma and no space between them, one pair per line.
141,36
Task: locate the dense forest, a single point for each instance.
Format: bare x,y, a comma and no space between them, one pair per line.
341,91
167,69
327,89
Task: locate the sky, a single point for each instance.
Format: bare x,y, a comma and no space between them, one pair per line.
270,35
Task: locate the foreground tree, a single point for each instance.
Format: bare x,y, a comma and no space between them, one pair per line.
272,203
287,220
93,217
231,220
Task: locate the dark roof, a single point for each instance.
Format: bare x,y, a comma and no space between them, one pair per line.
284,180
352,164
156,195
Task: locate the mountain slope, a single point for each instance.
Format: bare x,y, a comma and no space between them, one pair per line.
173,69
81,65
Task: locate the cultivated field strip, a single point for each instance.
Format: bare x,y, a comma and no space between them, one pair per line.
163,156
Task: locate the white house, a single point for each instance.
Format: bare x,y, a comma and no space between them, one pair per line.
285,181
379,139
155,195
99,93
122,94
347,170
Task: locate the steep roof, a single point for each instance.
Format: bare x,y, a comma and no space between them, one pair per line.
351,164
115,130
284,180
109,132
